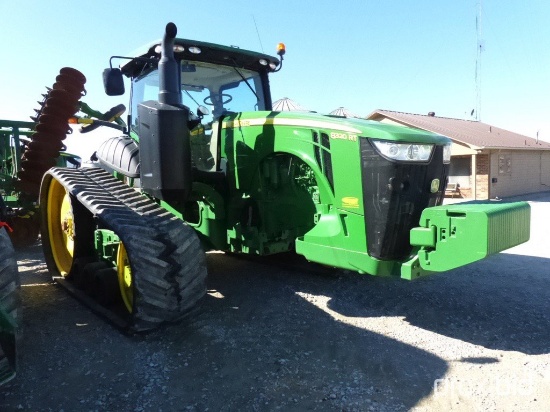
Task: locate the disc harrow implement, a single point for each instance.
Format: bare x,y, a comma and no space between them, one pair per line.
59,104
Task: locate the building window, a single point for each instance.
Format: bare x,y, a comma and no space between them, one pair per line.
504,164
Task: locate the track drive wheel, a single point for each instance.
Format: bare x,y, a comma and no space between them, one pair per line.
57,222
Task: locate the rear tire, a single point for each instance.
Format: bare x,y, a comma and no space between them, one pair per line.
10,304
25,230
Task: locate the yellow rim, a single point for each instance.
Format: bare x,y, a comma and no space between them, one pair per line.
60,227
124,277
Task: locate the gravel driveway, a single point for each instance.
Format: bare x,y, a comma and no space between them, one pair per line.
476,338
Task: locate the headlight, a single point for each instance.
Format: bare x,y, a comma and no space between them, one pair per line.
447,153
406,152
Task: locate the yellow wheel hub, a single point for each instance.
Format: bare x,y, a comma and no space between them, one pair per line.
60,227
125,277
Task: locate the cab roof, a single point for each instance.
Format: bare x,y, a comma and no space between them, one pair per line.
209,52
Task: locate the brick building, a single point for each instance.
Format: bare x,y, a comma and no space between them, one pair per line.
486,161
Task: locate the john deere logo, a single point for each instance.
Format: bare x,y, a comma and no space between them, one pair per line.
435,186
350,202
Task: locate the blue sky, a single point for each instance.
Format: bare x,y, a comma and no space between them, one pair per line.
411,56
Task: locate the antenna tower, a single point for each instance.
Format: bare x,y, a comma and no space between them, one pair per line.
478,61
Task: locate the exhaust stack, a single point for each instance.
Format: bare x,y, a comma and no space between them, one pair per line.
164,139
169,69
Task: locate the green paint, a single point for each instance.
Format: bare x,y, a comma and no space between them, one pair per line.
455,235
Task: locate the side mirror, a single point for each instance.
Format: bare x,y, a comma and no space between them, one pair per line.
113,82
202,111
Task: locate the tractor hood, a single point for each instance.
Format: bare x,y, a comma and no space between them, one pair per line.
342,128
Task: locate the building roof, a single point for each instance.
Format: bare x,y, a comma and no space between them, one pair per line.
475,134
342,111
287,105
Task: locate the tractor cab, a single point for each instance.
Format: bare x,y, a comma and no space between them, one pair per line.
213,81
209,91
221,89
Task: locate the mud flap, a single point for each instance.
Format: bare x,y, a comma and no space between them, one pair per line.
455,235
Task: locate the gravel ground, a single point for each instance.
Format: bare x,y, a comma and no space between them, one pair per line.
476,338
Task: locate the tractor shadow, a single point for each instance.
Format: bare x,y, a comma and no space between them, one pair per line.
254,343
498,303
264,335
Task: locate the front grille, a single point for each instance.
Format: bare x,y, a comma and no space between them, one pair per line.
323,156
394,196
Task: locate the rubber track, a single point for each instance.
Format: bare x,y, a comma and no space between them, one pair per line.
167,260
11,304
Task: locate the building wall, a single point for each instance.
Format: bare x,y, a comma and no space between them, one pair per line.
516,172
545,170
483,163
499,173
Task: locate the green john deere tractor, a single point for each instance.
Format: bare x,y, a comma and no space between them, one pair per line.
236,176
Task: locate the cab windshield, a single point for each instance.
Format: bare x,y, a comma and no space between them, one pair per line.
222,89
